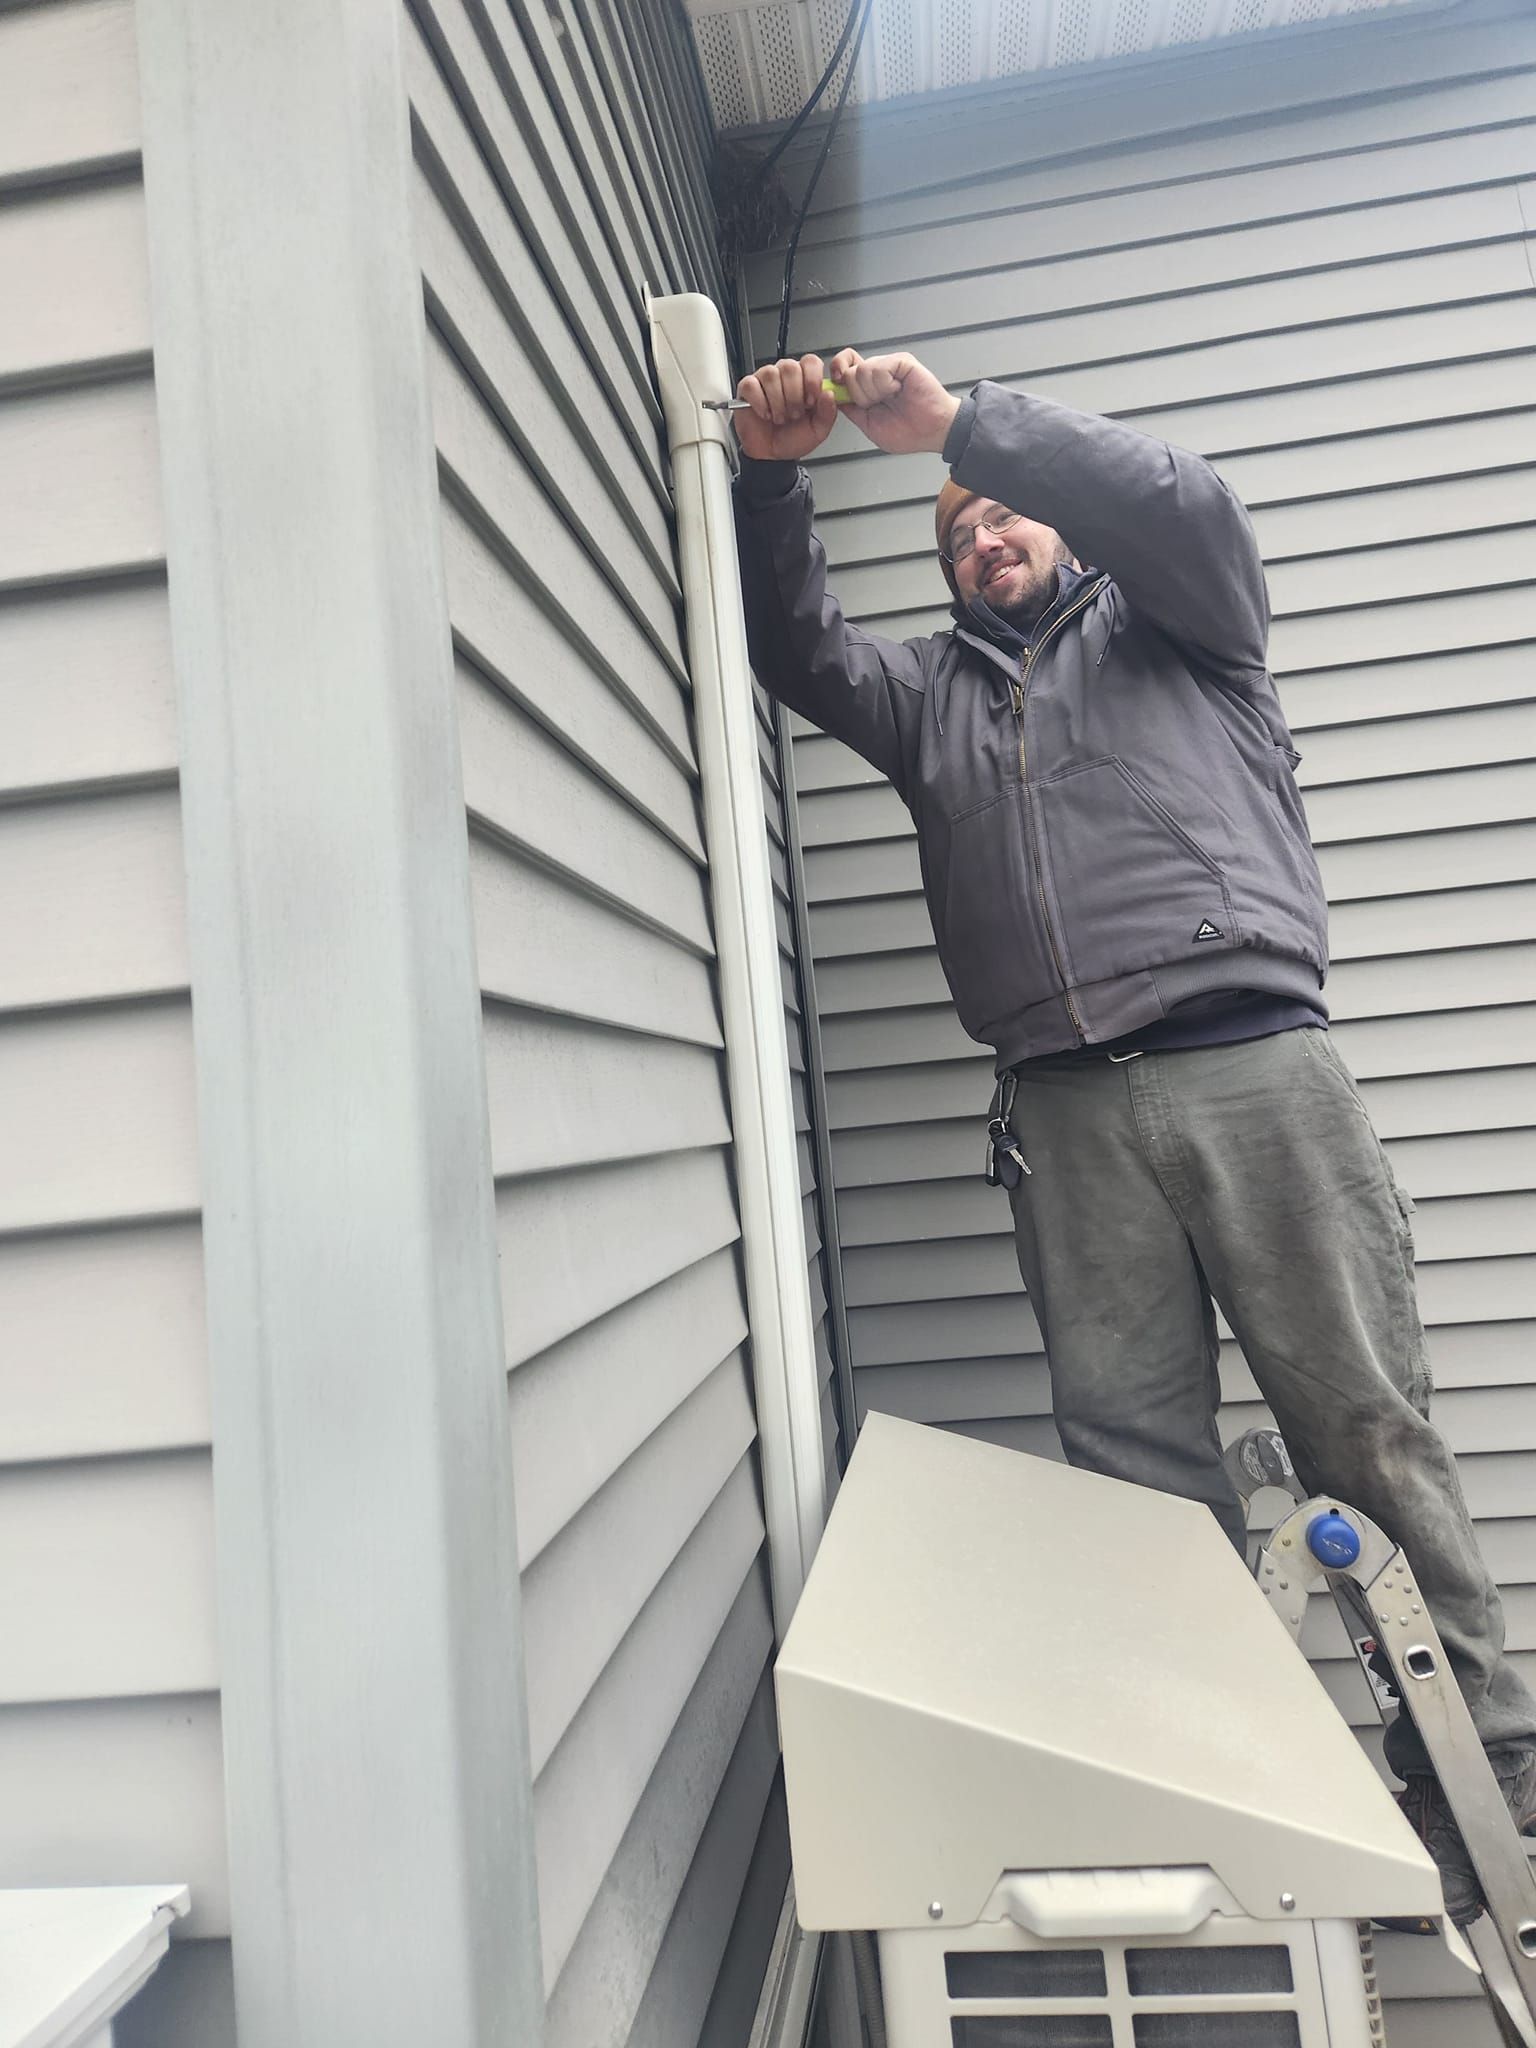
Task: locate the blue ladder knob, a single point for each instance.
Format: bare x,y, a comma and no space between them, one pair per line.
1333,1541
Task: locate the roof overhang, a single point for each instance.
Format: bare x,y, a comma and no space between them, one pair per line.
761,58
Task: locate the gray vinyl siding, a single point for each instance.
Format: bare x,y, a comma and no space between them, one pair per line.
1312,261
786,862
559,169
109,1723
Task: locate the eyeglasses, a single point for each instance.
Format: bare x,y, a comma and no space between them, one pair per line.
962,540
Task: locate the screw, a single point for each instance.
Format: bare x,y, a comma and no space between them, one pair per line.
935,1911
1417,1608
1287,1902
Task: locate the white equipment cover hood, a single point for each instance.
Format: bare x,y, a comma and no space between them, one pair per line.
999,1663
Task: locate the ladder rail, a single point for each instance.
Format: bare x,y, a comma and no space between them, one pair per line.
1379,1599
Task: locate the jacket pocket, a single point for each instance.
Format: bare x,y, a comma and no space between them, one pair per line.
990,938
1132,889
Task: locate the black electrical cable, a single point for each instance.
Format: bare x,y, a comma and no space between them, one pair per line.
817,90
787,293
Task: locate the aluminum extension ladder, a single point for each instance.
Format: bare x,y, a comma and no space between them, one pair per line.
1324,1542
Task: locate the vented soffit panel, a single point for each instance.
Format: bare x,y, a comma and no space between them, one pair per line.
761,58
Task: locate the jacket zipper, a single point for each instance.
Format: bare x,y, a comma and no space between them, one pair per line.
1020,690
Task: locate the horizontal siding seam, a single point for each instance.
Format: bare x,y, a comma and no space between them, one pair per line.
475,515
442,183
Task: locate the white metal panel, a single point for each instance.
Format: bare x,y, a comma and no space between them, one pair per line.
1008,1753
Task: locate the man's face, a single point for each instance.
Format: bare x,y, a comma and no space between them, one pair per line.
1013,572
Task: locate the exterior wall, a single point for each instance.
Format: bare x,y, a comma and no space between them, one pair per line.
109,1721
559,169
559,157
1312,261
787,861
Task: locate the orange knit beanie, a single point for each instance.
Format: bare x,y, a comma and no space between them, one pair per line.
945,512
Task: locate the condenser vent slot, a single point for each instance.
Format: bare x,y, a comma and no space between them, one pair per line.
1034,2030
1207,1972
1216,2030
1027,1973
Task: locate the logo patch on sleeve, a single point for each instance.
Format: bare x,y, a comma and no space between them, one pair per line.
1207,930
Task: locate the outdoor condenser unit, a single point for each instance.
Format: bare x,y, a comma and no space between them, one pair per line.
1043,1735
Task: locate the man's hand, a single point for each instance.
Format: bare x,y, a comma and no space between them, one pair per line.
899,405
791,415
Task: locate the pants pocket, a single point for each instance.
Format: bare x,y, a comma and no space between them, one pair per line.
1416,1366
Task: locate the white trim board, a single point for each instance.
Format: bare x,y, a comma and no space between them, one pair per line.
375,1740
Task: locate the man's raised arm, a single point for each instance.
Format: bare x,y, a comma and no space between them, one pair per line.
864,690
1160,520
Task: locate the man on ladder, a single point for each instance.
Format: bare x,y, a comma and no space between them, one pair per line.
1128,911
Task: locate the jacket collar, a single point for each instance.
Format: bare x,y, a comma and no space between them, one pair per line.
982,625
1004,645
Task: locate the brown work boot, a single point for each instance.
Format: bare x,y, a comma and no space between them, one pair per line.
1429,1815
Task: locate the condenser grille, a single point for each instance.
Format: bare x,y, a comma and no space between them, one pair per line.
1207,1972
1026,1973
1034,2030
1216,2030
1230,1984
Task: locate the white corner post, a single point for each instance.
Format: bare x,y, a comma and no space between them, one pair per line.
375,1744
688,344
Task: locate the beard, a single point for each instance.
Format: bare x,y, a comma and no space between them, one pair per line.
1029,586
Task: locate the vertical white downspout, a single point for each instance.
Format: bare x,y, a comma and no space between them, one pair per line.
688,343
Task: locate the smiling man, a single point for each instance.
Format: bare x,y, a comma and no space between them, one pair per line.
1129,914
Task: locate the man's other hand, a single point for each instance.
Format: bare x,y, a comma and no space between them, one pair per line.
899,405
791,415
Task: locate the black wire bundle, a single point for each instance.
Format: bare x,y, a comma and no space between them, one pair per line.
854,27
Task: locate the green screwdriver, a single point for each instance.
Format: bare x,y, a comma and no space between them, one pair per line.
838,393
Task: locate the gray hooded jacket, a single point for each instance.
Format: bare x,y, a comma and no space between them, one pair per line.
1109,825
